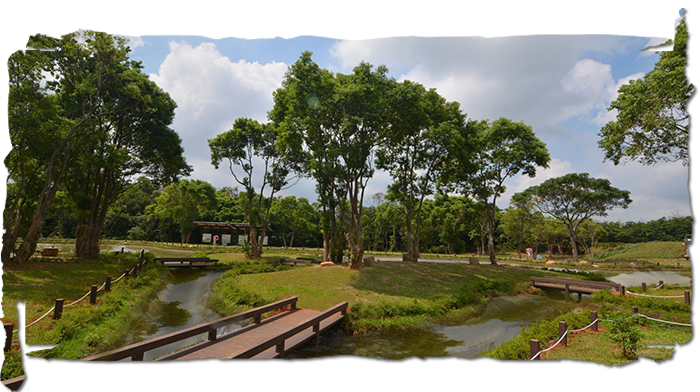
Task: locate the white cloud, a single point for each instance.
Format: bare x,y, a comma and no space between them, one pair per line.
135,42
222,19
664,30
604,116
211,92
522,78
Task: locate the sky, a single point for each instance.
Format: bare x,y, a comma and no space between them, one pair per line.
545,67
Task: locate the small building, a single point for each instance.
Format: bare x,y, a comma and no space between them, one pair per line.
223,233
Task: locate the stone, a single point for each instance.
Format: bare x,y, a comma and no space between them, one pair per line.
550,262
327,264
583,262
474,260
368,261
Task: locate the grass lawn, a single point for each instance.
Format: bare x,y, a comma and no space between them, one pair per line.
389,294
39,283
591,346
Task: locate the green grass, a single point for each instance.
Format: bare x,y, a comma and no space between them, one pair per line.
655,250
83,329
392,294
586,345
590,346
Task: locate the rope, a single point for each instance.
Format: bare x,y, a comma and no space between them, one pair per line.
586,327
117,280
664,321
657,296
75,302
35,321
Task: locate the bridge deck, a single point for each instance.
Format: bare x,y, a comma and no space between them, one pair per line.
166,377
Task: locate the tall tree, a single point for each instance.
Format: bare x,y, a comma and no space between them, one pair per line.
652,113
36,129
84,68
183,202
503,150
423,124
130,138
340,119
239,146
574,198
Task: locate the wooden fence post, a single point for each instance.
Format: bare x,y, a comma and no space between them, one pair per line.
126,273
534,348
686,297
211,336
108,284
316,330
661,283
594,317
644,287
566,291
93,294
562,332
280,349
468,379
622,290
58,309
8,337
635,310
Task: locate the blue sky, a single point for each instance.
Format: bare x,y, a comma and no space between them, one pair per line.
560,85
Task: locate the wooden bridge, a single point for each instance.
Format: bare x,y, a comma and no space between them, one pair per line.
186,262
263,339
573,285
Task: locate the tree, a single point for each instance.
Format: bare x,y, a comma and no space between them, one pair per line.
340,119
574,198
130,138
182,202
503,149
517,221
423,125
239,146
82,65
292,217
652,113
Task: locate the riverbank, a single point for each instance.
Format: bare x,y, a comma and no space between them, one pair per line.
390,295
590,346
83,329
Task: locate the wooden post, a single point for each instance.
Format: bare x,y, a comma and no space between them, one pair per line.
661,283
257,319
468,379
562,331
280,349
644,287
137,357
58,309
212,335
8,337
594,317
534,348
622,290
635,310
126,273
108,284
317,329
93,294
566,291
142,254
686,297
293,306
122,249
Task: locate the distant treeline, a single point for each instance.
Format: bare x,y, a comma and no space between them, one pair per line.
451,224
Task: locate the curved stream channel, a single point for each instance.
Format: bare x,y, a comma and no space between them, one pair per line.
183,303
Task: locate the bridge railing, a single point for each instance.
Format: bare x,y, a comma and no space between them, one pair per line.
578,282
136,351
314,323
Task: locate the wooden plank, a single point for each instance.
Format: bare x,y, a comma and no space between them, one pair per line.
13,384
578,282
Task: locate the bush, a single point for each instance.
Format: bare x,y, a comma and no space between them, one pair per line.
623,331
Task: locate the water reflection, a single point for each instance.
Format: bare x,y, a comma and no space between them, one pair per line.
649,277
502,320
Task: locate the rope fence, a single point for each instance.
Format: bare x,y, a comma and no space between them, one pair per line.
535,350
58,307
469,376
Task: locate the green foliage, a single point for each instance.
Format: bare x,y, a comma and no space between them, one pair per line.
12,366
623,330
181,203
448,377
652,120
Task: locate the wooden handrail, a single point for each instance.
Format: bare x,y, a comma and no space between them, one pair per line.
13,384
136,350
580,282
219,368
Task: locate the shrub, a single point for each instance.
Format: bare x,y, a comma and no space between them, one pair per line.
623,331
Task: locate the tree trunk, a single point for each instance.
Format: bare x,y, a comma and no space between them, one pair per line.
574,250
87,241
